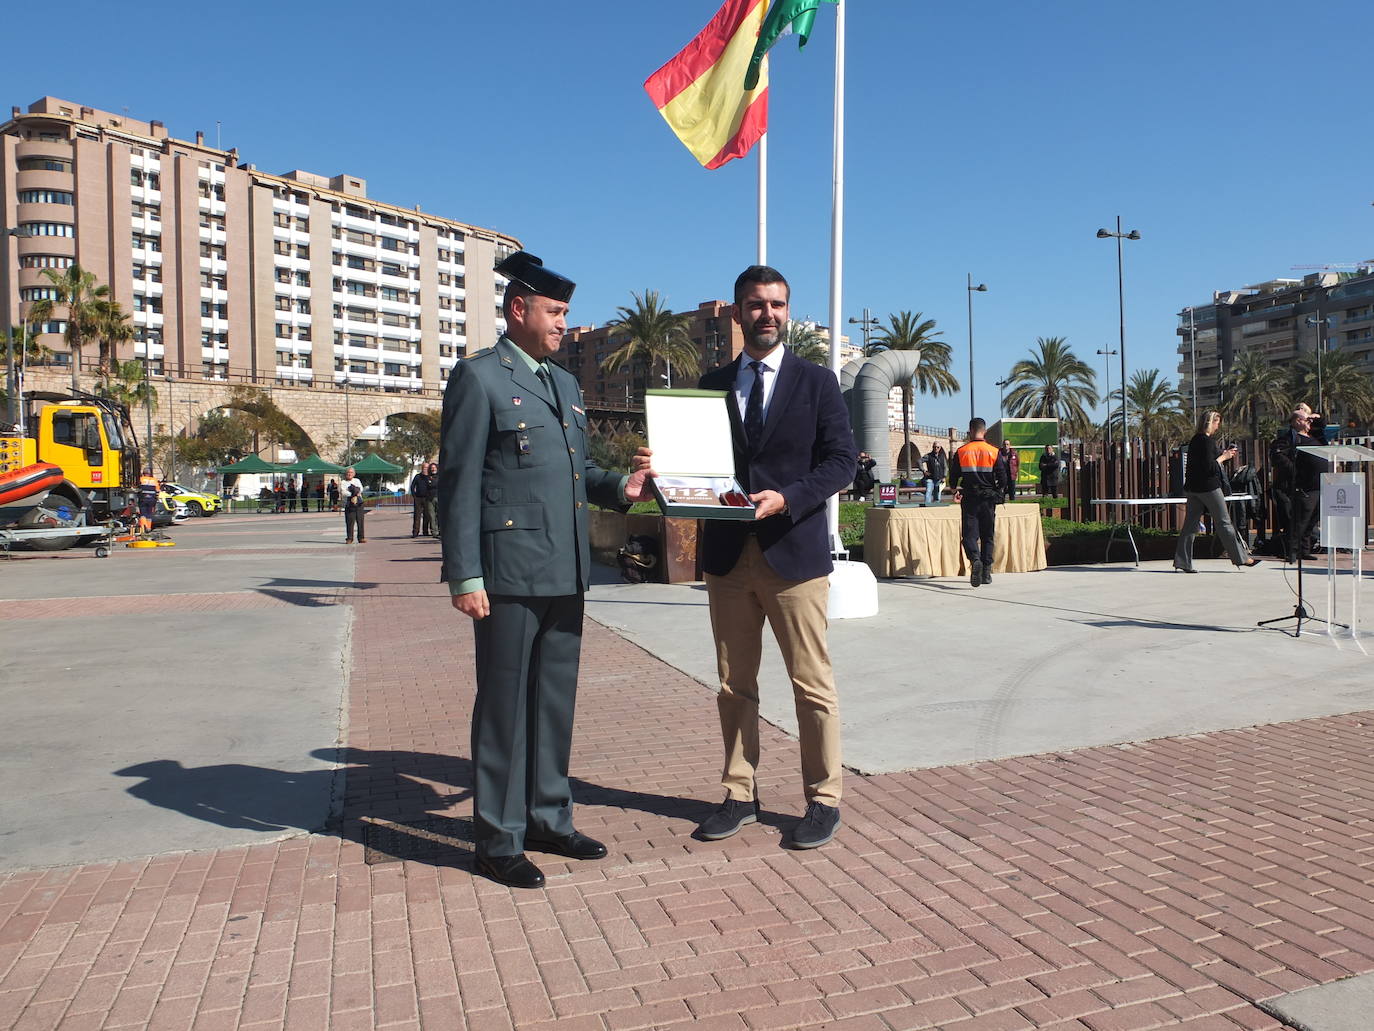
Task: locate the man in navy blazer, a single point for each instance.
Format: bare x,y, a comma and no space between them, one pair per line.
793,449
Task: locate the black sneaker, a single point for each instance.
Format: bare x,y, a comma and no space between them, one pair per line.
728,819
817,827
987,574
975,576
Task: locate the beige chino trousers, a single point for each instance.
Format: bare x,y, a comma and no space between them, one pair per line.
740,601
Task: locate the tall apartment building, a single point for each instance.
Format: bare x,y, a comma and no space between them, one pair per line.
717,337
1282,318
233,273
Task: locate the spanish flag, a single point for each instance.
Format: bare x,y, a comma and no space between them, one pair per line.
700,92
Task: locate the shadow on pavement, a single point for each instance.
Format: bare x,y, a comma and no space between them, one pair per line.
394,803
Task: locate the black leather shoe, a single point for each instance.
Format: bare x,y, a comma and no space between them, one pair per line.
515,871
575,846
987,575
975,575
728,819
817,827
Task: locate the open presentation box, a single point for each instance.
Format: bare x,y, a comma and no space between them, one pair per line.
694,456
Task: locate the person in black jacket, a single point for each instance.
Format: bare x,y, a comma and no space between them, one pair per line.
863,478
1202,487
1049,472
422,493
1297,485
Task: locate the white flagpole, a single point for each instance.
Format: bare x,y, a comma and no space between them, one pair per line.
837,239
762,149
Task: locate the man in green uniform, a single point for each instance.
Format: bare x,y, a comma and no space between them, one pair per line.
514,483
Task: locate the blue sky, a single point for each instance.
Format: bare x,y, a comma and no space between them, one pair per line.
992,138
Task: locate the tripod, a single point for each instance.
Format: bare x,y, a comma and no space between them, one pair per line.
1301,612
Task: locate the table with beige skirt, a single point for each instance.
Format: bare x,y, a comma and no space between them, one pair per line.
919,541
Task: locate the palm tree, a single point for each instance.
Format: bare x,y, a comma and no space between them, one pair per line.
653,334
86,303
1156,403
127,383
1345,387
27,346
115,328
907,332
1053,384
806,342
1254,386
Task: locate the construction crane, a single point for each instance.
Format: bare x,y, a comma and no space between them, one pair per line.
1368,262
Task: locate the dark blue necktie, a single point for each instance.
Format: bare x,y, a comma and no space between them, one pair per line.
753,410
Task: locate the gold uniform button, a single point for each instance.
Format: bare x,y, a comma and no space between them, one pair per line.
510,522
519,425
572,451
565,425
577,476
579,504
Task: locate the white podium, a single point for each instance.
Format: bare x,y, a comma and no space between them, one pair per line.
1342,516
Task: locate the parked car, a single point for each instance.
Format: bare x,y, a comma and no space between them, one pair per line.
197,502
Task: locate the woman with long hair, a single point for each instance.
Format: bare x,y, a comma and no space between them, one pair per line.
1202,486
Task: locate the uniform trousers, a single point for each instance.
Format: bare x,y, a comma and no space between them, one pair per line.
978,521
528,651
740,601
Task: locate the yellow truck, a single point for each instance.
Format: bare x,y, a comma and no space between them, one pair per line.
91,440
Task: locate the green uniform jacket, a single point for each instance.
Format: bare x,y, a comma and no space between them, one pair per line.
515,478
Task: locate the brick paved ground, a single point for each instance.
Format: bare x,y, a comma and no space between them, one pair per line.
1167,884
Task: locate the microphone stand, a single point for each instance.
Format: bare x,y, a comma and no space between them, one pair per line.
1300,612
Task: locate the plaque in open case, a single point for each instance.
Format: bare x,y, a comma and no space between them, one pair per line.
689,433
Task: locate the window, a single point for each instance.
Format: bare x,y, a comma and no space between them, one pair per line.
302,278
302,250
54,326
303,333
278,247
47,229
283,303
391,293
44,164
45,197
283,331
281,219
283,275
360,289
38,293
45,261
302,224
390,268
303,307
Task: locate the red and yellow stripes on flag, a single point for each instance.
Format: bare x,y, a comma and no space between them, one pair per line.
700,92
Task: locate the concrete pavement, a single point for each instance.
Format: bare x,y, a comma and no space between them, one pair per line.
1091,886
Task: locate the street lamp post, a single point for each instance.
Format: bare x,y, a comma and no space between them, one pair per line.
11,379
348,424
1105,234
980,288
1108,365
1322,323
868,323
1001,398
1192,359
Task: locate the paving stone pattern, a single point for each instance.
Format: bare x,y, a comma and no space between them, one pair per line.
1167,884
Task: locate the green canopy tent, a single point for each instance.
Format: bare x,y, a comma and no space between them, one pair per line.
250,464
313,464
375,464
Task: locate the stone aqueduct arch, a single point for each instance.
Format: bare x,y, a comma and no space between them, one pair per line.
320,413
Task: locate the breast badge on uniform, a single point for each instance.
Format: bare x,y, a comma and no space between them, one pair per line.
517,400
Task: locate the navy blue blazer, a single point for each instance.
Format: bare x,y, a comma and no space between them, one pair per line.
806,453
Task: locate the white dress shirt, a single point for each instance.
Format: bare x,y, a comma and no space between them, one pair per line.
744,380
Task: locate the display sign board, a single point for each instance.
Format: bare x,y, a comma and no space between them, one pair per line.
887,495
1342,510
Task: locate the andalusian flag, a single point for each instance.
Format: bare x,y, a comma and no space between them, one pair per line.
700,94
796,15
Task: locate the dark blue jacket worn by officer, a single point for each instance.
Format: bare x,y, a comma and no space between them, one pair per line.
514,484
